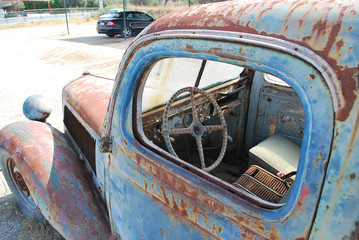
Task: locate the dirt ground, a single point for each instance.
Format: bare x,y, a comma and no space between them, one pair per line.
41,60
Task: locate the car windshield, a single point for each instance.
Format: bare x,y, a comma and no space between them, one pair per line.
158,88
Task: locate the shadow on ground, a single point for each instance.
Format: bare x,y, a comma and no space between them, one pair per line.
102,40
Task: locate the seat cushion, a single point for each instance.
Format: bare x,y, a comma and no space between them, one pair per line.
276,154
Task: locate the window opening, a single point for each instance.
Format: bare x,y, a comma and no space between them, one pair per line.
275,80
197,111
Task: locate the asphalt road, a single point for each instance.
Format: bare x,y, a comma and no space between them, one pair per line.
41,60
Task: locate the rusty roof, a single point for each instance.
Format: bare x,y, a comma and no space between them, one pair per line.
328,28
314,24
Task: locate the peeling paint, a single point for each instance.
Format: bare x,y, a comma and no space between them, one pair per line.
56,179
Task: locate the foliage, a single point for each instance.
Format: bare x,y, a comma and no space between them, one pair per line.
108,4
30,5
101,11
37,5
56,3
92,3
157,2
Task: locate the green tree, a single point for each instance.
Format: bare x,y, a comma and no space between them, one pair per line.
56,3
92,3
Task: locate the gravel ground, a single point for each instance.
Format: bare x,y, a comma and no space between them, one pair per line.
41,60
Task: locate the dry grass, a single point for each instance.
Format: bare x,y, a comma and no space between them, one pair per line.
31,229
9,209
26,228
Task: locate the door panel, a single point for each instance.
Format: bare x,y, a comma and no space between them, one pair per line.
150,187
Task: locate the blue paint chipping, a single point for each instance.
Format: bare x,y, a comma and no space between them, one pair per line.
311,45
53,175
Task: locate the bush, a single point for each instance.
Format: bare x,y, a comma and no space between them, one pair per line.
92,3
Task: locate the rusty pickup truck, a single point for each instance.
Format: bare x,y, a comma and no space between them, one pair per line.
232,120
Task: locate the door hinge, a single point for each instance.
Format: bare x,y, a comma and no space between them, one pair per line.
106,144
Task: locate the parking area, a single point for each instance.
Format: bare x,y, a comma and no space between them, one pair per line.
41,60
31,17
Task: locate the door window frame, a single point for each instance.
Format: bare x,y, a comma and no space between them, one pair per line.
262,54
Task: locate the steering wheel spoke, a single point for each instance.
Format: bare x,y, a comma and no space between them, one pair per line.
194,109
196,129
180,131
212,128
200,151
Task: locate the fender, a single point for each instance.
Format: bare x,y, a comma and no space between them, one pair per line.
56,179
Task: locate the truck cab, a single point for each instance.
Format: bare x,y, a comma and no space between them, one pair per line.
232,120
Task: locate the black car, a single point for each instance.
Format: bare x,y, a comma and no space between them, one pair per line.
114,25
111,13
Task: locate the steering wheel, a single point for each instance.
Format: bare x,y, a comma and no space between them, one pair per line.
196,129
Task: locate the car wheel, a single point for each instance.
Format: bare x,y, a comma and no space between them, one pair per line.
127,32
18,187
110,35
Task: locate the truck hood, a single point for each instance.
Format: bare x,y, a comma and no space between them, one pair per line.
89,96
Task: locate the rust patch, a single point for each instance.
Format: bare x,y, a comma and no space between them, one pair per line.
353,137
163,190
180,197
318,158
146,185
325,34
274,234
163,232
183,210
90,96
175,205
271,123
218,52
339,45
348,81
303,196
115,236
355,234
56,179
258,225
189,47
352,176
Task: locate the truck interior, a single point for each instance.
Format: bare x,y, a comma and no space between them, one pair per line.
242,126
